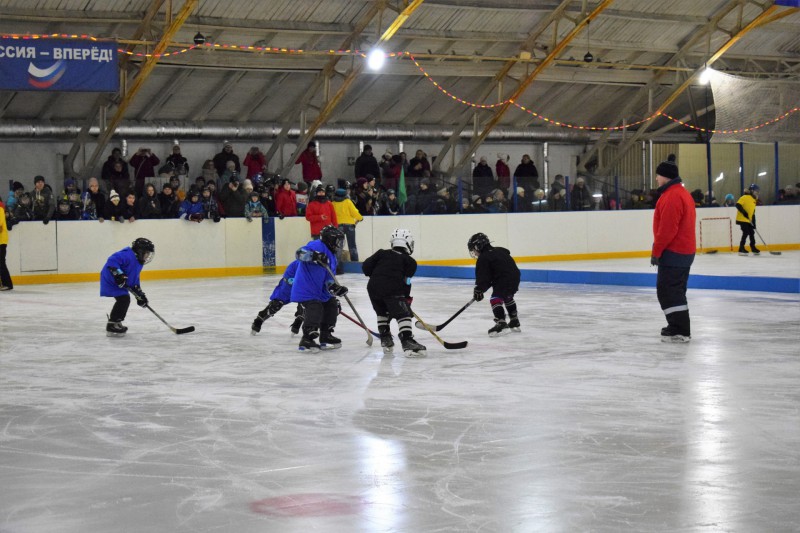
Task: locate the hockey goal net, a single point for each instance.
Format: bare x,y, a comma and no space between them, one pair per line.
716,233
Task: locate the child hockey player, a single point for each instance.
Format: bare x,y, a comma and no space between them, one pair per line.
746,218
315,288
280,296
120,274
497,269
389,289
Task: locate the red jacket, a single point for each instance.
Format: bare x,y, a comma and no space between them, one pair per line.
503,174
255,164
674,221
320,214
311,169
286,202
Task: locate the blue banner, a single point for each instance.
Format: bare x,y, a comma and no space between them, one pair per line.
58,65
790,3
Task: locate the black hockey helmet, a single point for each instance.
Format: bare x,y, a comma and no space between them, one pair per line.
754,187
332,237
330,190
477,244
144,250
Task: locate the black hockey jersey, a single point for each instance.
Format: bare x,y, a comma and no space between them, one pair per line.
388,271
496,268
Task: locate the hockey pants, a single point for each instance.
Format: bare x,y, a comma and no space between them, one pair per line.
120,309
320,314
748,231
393,307
671,291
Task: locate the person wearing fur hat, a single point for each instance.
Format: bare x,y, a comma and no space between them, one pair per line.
673,249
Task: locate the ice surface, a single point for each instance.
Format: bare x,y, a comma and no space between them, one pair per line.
582,422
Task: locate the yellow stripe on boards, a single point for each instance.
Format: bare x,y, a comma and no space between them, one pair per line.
37,279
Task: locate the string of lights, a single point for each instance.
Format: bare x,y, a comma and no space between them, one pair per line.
425,73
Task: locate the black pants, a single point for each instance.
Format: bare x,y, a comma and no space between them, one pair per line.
320,314
392,307
747,231
120,309
671,290
5,276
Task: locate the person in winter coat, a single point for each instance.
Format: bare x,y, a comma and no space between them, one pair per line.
673,249
23,211
390,205
315,288
144,163
210,205
255,209
482,177
108,167
221,159
320,212
233,198
347,216
286,199
178,162
366,164
127,210
65,211
170,205
503,173
149,205
496,268
16,191
119,276
43,202
580,197
363,197
527,175
94,202
192,208
310,163
557,197
255,162
425,197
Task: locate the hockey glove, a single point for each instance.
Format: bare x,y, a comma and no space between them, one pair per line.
119,278
653,260
319,258
46,221
141,298
336,289
477,294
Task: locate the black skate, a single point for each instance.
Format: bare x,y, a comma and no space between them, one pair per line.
296,325
743,251
387,343
308,344
500,328
328,342
513,325
411,348
256,327
668,334
755,250
115,329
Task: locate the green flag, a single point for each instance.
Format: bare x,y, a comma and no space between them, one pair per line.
401,188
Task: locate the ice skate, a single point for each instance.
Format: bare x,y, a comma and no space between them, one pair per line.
500,328
755,250
513,325
256,327
328,342
387,343
115,329
411,348
670,335
743,252
308,344
295,328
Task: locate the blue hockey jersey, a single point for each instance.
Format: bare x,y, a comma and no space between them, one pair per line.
126,261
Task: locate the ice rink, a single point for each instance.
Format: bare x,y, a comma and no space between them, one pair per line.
585,421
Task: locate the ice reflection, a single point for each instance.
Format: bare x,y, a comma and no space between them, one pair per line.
383,463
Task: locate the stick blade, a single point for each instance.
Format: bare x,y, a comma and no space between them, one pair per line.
455,345
181,331
775,253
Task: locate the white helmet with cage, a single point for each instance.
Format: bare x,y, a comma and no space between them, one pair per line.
402,238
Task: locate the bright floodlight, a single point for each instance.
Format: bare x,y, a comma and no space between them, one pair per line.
376,58
705,76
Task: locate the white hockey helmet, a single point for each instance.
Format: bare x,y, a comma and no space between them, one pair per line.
402,238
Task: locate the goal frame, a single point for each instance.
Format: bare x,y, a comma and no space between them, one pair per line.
730,233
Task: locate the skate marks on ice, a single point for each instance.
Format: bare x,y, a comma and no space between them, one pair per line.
583,421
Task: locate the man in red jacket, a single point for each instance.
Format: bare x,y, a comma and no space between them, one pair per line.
320,212
310,163
673,249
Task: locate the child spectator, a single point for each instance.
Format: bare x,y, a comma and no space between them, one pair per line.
23,211
66,211
212,187
127,209
120,274
175,182
43,202
89,208
389,204
210,206
286,199
149,204
320,213
16,191
98,198
192,208
254,208
168,200
113,207
302,198
539,203
233,198
70,187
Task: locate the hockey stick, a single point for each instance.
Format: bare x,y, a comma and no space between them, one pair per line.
447,345
177,331
360,320
441,326
357,323
765,244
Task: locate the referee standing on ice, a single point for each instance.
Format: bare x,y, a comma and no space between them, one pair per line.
673,249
